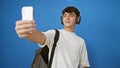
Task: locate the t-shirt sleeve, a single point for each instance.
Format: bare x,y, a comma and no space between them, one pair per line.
49,38
84,62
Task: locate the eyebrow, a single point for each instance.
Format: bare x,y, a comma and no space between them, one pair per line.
69,14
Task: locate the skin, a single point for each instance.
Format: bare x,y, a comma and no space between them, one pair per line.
23,28
69,21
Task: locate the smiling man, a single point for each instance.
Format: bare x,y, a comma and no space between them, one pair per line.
71,50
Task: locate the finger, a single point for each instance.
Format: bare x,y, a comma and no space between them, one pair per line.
25,26
24,35
20,22
25,31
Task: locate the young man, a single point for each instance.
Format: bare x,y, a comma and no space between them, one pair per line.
71,49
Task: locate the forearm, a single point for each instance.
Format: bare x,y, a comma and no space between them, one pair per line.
42,38
37,37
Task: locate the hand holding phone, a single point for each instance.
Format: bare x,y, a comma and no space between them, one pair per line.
27,13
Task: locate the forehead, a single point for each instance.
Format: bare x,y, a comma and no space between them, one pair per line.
67,13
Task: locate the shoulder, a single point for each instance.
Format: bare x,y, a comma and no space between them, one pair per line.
80,38
51,32
81,41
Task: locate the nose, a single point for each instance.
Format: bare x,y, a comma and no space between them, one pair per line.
67,17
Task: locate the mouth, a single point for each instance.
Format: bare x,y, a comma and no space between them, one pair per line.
67,21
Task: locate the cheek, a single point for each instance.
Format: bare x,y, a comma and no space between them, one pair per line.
63,19
74,20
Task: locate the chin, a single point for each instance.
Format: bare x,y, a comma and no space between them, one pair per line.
67,25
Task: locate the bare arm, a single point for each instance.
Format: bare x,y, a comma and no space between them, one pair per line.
23,29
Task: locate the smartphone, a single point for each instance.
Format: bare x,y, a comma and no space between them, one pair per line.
27,13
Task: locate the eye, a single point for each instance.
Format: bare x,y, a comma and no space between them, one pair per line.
64,15
72,15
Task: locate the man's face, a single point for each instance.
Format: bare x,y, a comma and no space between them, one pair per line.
69,19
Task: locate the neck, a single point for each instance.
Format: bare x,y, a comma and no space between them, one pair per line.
69,29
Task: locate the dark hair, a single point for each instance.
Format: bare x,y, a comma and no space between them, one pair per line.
71,9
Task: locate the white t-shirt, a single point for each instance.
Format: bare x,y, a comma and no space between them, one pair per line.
70,51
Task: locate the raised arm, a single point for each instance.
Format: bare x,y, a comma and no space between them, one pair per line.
26,29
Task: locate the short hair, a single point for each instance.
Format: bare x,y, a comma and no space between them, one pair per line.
71,9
